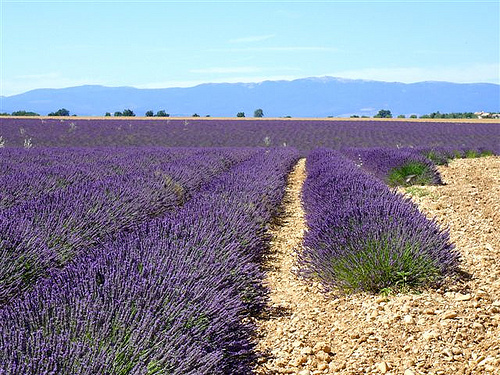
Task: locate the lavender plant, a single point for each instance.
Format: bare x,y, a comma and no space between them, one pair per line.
362,236
396,167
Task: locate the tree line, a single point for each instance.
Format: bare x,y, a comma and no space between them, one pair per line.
383,113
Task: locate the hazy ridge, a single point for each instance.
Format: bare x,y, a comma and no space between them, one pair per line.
307,97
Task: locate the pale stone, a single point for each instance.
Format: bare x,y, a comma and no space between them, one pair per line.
447,352
298,361
383,367
456,350
477,325
297,344
307,350
408,319
322,366
429,335
449,315
463,297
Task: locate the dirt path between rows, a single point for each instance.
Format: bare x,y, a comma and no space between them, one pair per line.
454,330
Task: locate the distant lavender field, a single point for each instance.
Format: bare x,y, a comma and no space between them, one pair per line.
304,135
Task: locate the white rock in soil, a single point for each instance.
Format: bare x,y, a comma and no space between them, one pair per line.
463,297
322,366
297,344
449,315
429,335
448,353
383,367
408,319
307,350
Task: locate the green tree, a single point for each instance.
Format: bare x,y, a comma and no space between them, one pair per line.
24,113
128,113
195,115
60,112
258,113
162,113
413,116
240,114
401,116
383,113
107,114
118,114
149,114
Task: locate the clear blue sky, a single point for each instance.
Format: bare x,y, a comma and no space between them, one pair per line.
167,44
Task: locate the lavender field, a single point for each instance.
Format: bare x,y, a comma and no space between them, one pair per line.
136,246
304,135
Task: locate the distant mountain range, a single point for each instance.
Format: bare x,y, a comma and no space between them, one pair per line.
307,97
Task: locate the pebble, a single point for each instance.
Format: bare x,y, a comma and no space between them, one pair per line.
307,350
477,325
449,315
409,372
298,361
429,335
456,350
383,367
408,319
382,299
463,297
297,344
322,366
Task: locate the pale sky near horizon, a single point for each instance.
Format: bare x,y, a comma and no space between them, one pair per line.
156,44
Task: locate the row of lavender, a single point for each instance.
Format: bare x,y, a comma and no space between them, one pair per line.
410,165
302,134
25,174
396,167
169,297
42,226
362,236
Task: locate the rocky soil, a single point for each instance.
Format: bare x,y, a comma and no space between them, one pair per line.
453,330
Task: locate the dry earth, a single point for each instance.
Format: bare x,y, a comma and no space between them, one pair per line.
454,330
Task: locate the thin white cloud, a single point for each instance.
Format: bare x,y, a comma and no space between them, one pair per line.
277,49
227,70
252,39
